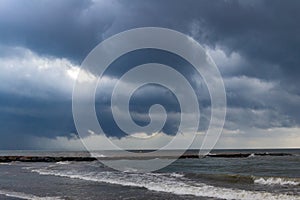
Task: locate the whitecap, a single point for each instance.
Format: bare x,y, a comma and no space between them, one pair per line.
277,181
252,155
63,162
5,163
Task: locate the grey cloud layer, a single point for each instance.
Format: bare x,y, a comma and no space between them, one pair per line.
255,44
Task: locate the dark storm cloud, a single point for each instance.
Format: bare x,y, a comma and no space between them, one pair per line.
263,30
35,116
262,90
145,97
264,33
139,107
68,28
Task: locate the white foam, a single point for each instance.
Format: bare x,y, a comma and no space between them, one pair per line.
168,184
176,175
63,163
98,155
277,181
27,168
5,163
130,170
21,195
252,155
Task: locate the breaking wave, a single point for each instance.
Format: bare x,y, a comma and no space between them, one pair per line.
247,179
277,181
170,183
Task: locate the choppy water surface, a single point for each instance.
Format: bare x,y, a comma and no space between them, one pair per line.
255,177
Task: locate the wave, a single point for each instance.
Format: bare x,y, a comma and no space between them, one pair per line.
21,195
247,179
252,155
63,162
243,155
228,178
277,181
5,163
98,155
176,175
168,184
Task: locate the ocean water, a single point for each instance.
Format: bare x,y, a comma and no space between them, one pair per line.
253,177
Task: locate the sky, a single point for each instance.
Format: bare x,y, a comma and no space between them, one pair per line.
255,45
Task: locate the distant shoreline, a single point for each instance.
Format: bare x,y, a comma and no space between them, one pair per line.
6,159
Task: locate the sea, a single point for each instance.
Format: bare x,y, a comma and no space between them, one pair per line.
246,178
